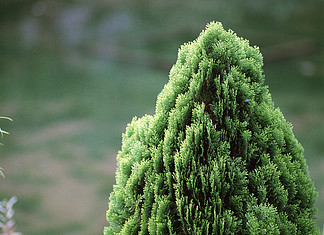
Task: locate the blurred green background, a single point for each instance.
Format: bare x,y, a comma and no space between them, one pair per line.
74,73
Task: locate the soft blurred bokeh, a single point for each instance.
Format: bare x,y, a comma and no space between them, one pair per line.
74,73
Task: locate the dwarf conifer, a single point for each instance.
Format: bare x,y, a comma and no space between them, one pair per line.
216,157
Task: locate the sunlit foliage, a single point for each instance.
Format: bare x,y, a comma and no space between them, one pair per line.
217,157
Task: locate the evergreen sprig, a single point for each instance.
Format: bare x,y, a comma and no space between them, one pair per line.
217,157
2,132
7,222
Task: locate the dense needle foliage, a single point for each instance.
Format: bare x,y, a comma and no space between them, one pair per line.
217,157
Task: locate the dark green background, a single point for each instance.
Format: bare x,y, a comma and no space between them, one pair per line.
74,73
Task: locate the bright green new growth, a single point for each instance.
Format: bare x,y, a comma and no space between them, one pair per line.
217,157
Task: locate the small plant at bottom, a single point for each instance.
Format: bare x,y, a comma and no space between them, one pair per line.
7,223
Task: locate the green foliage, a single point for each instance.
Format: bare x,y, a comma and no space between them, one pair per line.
217,157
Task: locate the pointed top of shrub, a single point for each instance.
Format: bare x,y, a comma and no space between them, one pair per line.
213,54
216,158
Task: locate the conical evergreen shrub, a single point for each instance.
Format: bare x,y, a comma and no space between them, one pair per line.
217,157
